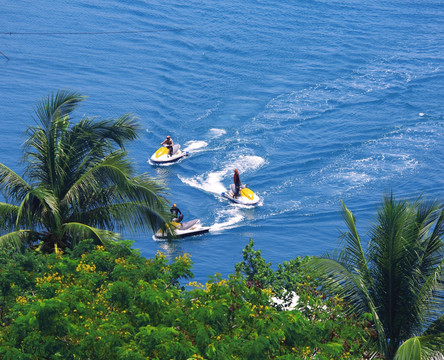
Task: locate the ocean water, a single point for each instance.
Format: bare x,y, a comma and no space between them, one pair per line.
313,101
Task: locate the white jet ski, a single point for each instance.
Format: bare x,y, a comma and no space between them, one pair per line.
161,156
180,230
246,196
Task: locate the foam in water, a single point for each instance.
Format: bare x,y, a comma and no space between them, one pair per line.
195,145
217,132
208,112
212,181
227,219
355,177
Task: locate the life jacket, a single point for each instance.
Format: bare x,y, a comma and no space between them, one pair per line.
175,211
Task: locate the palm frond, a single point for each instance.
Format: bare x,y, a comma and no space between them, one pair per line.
428,299
338,279
16,238
423,294
410,350
97,138
57,105
42,147
432,245
129,216
147,197
79,232
113,170
436,328
14,186
114,131
389,261
353,252
147,191
8,216
38,208
350,285
137,203
346,273
422,348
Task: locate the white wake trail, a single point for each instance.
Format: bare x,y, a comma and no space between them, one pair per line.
213,181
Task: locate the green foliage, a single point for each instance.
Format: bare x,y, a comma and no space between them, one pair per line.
398,280
82,304
254,267
110,303
289,278
78,182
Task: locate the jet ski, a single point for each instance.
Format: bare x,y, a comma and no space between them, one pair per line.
246,196
180,230
161,156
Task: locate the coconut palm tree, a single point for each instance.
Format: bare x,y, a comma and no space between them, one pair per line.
78,182
398,279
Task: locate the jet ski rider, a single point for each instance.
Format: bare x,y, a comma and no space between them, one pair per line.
177,214
168,142
237,183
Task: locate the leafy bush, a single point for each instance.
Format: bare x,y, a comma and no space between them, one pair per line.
111,303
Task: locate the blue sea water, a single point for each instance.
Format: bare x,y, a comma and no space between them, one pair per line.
313,101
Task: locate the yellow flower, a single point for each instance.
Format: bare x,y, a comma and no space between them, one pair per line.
160,255
21,300
85,267
120,261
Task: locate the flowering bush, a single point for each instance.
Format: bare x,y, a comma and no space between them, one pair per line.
111,303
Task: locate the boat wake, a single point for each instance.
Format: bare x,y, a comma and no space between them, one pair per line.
227,219
212,182
194,146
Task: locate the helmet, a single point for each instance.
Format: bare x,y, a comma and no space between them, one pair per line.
236,171
174,205
168,137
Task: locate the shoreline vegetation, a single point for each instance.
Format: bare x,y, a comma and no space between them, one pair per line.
111,303
70,289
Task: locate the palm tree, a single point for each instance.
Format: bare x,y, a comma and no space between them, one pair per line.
78,182
398,279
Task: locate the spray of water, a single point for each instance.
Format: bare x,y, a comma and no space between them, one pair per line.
215,182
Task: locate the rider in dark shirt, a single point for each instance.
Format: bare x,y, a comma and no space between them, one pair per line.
177,214
237,183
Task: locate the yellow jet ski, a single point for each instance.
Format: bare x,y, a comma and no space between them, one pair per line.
162,156
246,196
